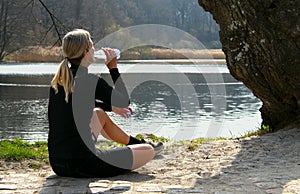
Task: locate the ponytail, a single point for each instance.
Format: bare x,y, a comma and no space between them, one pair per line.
64,78
73,46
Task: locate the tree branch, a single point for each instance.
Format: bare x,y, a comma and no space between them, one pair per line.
56,23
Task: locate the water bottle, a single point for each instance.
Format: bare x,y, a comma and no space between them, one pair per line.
130,112
101,55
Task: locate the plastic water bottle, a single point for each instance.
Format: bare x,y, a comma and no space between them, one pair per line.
130,112
101,55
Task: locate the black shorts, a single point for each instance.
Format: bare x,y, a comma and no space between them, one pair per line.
106,163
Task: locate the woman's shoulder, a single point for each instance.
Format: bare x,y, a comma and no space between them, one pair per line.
53,91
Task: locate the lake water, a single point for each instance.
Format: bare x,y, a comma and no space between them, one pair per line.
178,101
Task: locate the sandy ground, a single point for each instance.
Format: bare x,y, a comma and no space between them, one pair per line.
260,164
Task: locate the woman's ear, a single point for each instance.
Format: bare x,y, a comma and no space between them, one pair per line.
85,52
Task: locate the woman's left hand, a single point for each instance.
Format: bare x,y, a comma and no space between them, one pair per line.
123,112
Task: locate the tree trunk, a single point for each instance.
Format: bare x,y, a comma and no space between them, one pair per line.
3,27
261,40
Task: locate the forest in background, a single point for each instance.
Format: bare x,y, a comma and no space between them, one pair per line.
30,22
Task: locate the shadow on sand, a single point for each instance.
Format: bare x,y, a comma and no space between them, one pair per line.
263,164
117,184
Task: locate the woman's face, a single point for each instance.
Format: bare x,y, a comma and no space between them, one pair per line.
92,50
89,57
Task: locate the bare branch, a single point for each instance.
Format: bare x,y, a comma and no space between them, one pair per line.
56,23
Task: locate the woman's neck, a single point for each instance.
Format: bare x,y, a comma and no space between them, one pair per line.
85,62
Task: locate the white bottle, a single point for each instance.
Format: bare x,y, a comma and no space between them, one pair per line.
101,55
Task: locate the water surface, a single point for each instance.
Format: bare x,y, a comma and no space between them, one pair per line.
179,101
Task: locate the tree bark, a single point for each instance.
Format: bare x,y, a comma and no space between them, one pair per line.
3,26
261,40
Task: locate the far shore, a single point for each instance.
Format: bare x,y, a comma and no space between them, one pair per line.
176,61
53,54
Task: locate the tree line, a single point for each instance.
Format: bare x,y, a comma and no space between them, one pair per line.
44,22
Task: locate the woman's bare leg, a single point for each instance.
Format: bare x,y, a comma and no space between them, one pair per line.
142,153
97,127
101,123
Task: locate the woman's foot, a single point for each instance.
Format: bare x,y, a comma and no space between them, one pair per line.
158,148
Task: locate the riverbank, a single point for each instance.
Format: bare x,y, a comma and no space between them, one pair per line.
53,54
259,164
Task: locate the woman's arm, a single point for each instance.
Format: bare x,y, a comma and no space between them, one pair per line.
107,96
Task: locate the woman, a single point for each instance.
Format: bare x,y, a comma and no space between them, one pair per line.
76,112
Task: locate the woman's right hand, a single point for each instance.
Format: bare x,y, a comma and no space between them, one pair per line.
123,112
111,58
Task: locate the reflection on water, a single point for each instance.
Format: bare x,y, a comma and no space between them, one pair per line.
178,106
24,119
159,110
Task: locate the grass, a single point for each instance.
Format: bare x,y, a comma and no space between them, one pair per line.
193,144
260,131
152,137
18,150
107,145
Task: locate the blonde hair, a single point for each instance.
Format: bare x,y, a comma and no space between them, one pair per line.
73,45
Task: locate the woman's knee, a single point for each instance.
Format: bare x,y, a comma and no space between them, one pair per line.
99,111
142,154
97,121
101,115
141,147
142,151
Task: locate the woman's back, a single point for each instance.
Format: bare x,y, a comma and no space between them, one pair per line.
64,140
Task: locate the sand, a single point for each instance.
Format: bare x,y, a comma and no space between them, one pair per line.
260,164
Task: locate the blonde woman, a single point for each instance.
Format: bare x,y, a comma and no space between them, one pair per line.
77,115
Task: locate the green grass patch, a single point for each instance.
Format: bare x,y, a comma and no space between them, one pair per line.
35,165
152,137
18,150
193,144
260,131
107,145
